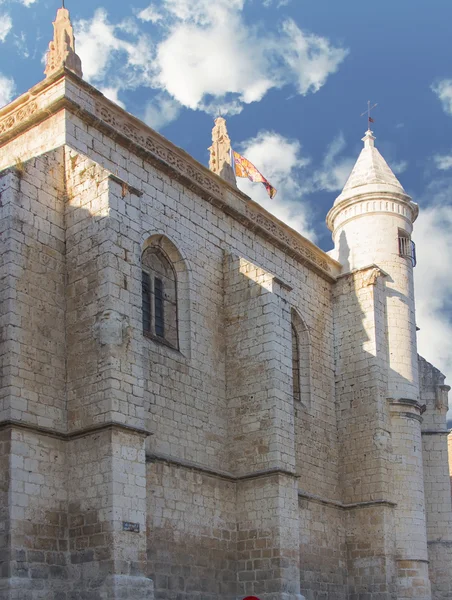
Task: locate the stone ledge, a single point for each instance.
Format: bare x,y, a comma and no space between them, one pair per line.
185,464
73,434
341,505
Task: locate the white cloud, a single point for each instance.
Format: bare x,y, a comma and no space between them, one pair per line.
7,89
281,162
399,167
202,12
98,44
161,110
191,65
335,170
443,163
26,3
6,25
279,3
311,57
198,71
112,94
150,14
443,89
433,237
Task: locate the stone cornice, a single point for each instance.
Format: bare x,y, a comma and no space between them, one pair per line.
66,91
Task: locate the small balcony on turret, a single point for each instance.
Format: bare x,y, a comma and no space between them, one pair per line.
407,248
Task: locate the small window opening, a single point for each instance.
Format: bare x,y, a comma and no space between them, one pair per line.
295,366
407,248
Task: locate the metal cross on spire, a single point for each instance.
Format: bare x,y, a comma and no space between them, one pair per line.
368,113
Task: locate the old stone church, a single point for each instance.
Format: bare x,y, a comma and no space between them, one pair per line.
197,403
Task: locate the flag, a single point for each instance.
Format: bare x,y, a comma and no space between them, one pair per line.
371,120
243,168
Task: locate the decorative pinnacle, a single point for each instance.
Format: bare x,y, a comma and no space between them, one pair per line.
369,139
220,152
61,51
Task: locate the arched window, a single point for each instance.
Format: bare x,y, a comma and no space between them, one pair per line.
301,360
159,297
295,365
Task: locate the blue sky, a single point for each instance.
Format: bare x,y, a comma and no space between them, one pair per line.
292,78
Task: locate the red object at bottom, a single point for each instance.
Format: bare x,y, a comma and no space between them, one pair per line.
251,598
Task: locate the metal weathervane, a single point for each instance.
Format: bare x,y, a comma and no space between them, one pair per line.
368,113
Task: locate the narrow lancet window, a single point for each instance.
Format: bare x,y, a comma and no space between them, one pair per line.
301,361
159,295
295,366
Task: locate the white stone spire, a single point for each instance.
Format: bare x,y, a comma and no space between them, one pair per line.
61,51
371,173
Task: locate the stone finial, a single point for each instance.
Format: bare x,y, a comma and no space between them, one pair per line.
369,139
61,51
220,152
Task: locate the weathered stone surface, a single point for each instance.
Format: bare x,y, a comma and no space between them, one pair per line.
61,51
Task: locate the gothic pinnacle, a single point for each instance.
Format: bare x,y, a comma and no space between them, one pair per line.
220,152
61,51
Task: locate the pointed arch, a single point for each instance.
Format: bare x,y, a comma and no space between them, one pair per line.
165,293
301,360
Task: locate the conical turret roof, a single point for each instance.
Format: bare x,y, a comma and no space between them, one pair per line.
371,173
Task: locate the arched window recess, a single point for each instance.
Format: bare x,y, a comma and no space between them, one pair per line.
165,294
301,360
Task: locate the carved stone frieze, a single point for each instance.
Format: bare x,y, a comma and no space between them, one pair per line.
131,131
290,240
16,117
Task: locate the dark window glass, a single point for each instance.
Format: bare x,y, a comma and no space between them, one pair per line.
146,300
295,366
159,320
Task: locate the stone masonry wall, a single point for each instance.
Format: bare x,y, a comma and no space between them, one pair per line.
192,535
201,234
433,395
323,558
38,536
184,392
33,303
364,430
33,374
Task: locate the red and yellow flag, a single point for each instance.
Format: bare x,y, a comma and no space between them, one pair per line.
243,168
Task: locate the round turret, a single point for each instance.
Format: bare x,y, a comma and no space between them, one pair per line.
372,221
